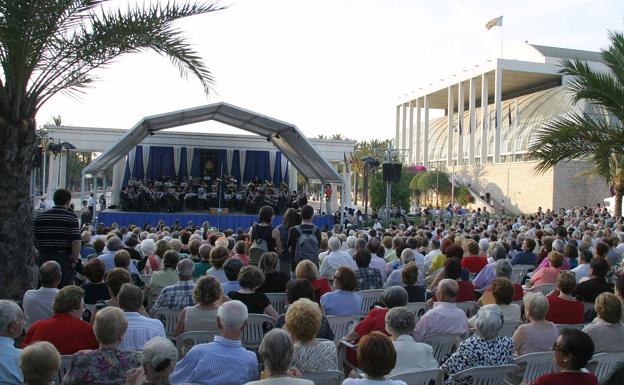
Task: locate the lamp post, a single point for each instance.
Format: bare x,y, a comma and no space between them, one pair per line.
437,186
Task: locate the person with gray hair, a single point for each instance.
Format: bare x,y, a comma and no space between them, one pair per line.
483,349
335,259
351,240
538,335
395,269
502,269
140,328
37,304
179,295
11,323
411,355
158,362
487,275
224,361
445,317
277,353
113,245
39,363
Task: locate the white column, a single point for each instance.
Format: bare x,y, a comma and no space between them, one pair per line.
334,198
346,188
484,120
460,123
53,168
397,136
404,129
513,135
418,133
472,126
498,105
410,135
449,130
63,170
426,133
292,177
118,175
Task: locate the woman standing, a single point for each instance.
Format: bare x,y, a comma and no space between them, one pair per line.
264,233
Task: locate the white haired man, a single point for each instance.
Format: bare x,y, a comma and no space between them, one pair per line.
11,323
224,361
335,259
445,317
179,295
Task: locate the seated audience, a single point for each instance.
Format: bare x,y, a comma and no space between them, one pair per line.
158,361
98,248
563,308
113,245
582,270
106,365
86,248
249,279
409,278
122,259
274,280
394,275
472,260
208,297
37,304
179,295
277,354
114,279
303,322
549,273
224,361
618,279
503,291
11,323
231,268
377,357
526,256
571,352
503,270
218,256
445,317
203,265
343,300
150,262
538,334
65,329
487,275
239,252
140,328
306,269
453,270
367,277
193,251
411,355
590,289
95,290
335,259
167,276
301,288
40,363
485,349
606,330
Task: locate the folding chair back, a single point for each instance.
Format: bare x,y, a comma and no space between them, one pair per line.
369,297
420,377
168,317
324,377
443,345
602,364
509,328
535,364
64,368
278,301
341,325
486,375
257,325
185,341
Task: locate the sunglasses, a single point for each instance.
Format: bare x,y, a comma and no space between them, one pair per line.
556,347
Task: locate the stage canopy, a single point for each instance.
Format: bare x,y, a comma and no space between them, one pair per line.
285,136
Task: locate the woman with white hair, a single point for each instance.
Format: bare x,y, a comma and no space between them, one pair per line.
158,362
335,259
538,335
484,349
39,363
400,323
151,261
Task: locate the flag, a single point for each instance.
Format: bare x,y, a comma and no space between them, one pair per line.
517,112
497,22
461,131
345,162
509,113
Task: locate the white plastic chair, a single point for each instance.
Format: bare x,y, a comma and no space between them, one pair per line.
278,301
544,288
534,364
257,325
341,325
168,317
602,364
185,341
560,327
443,345
509,328
88,312
519,272
324,377
369,297
64,368
469,307
420,377
152,296
419,308
485,375
145,278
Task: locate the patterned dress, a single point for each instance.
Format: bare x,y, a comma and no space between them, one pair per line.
317,357
476,351
101,367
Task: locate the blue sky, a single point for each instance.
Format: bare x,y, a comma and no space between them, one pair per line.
331,66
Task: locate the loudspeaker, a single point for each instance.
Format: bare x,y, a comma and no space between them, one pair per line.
396,172
392,172
387,172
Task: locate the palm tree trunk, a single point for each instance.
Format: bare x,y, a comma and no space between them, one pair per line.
16,236
617,209
355,186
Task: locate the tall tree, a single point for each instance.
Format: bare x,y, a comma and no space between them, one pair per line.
596,133
53,46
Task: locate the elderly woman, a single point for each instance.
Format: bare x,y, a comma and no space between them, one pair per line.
538,335
411,355
486,349
571,352
158,362
606,330
549,273
306,269
503,269
167,276
503,291
301,288
150,259
277,354
39,363
250,279
218,256
208,296
343,300
377,357
106,365
274,280
563,306
303,321
409,278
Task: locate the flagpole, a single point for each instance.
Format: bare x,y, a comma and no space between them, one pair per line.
501,41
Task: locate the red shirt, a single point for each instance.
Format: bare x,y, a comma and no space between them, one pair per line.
518,292
567,378
68,334
466,292
474,263
375,321
320,286
562,311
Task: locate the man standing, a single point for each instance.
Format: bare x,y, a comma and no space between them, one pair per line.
57,236
11,323
328,195
304,240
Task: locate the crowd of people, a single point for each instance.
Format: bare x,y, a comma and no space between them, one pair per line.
100,294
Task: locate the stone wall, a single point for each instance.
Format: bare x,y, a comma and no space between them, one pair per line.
573,188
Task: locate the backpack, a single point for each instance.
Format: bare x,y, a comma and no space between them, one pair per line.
258,247
307,245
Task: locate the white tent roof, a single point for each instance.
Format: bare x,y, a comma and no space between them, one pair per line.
285,136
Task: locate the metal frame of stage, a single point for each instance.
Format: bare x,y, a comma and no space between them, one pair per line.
222,222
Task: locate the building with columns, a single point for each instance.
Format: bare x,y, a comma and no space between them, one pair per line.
478,124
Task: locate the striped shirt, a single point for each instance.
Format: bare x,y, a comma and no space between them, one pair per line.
222,362
176,296
55,230
140,330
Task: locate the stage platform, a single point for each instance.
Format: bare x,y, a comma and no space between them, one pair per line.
223,222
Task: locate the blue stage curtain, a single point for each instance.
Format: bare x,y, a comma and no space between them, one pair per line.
277,170
126,173
138,172
195,171
160,164
236,165
183,172
222,165
257,165
286,173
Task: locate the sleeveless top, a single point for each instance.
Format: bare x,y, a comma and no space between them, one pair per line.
283,232
197,319
264,232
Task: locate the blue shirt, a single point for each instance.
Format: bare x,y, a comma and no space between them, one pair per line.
109,262
341,302
10,373
524,258
230,286
223,362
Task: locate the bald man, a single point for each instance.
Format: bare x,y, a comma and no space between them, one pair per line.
445,317
38,303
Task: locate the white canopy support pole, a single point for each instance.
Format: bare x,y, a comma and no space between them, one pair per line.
82,188
105,186
321,197
343,192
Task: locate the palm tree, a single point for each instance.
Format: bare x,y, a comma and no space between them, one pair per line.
321,136
337,137
596,133
54,46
